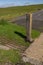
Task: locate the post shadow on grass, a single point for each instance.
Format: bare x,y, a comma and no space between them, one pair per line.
22,36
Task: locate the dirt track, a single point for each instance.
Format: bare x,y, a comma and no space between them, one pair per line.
37,20
34,53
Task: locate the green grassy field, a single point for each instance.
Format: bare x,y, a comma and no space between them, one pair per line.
11,12
9,56
9,30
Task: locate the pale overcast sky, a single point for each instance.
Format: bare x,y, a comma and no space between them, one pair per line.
4,3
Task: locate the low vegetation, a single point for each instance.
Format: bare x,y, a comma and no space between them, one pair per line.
15,33
9,56
11,12
12,57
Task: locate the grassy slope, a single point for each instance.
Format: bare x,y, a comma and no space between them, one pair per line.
9,56
11,12
8,30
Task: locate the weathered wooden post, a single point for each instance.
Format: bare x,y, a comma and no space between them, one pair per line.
29,27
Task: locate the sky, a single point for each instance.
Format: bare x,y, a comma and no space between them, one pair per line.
5,3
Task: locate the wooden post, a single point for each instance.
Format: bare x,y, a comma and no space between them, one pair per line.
29,27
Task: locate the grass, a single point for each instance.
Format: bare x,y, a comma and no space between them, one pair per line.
8,30
9,56
28,64
11,12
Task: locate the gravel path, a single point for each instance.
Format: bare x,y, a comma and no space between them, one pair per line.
34,54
